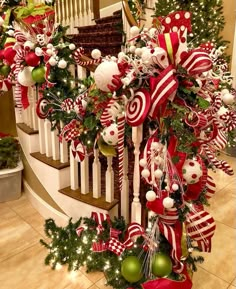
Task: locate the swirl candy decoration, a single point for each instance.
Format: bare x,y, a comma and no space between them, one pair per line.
138,107
41,110
78,150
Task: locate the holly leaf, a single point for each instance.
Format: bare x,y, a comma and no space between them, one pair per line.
203,103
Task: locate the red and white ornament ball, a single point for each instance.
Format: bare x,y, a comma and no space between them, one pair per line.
192,171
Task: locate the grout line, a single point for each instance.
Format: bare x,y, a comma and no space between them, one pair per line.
214,275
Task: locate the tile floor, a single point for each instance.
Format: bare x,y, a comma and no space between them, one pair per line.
22,257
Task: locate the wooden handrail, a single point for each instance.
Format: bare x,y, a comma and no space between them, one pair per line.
128,14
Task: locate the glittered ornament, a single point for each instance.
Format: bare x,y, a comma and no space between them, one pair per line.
9,53
161,265
25,76
32,59
192,171
38,51
110,134
103,74
72,46
151,196
52,61
142,162
38,74
134,31
131,269
4,70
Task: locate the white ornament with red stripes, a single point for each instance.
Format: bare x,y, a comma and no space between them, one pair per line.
110,134
192,171
78,150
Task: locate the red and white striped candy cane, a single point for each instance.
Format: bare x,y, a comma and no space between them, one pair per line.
230,120
121,135
79,53
210,187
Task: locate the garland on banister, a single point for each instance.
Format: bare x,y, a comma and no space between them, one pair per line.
173,101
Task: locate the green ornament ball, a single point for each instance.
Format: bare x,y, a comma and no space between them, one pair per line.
161,265
38,74
131,269
4,70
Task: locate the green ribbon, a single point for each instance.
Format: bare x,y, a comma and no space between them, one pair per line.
31,10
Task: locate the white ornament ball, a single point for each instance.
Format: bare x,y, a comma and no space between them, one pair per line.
25,77
121,55
168,202
72,46
158,173
151,196
96,54
138,51
228,98
175,187
10,32
143,162
110,134
147,57
145,173
223,110
62,64
29,44
38,51
132,48
49,46
103,74
192,171
152,31
224,91
49,52
134,31
52,61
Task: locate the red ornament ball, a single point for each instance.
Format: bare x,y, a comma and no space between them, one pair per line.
9,54
32,59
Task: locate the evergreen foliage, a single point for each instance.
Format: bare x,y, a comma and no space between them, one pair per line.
9,152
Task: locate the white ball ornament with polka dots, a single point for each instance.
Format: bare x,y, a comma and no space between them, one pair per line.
110,134
192,171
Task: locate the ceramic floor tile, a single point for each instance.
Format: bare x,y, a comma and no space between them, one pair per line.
204,280
93,287
27,270
92,276
221,260
37,222
234,282
6,212
15,235
22,207
222,207
101,284
231,287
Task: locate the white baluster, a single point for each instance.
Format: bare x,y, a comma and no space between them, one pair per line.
58,11
34,115
76,6
29,113
136,205
55,145
48,140
41,136
63,13
125,188
74,184
84,173
81,72
66,3
90,14
81,22
63,149
72,17
25,116
109,181
96,175
85,13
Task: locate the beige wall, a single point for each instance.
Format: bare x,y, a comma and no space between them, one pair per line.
105,3
230,19
7,114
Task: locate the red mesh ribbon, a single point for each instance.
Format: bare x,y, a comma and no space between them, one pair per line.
69,131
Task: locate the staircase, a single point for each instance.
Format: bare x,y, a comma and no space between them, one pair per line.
106,35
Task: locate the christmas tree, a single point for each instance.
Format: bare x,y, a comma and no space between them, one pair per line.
207,18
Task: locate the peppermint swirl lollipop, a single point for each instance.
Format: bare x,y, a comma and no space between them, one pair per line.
41,110
138,107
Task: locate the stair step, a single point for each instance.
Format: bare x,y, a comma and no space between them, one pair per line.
111,26
49,161
25,128
102,45
88,198
108,19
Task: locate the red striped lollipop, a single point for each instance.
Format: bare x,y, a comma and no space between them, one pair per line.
138,107
78,150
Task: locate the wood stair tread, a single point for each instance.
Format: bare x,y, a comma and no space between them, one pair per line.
88,198
49,161
25,128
